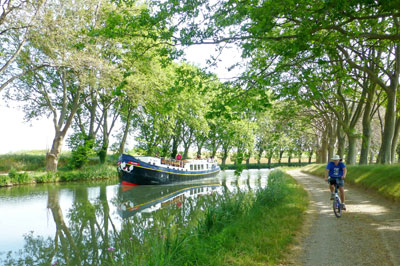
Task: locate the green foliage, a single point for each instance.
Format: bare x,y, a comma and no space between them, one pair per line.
93,172
276,191
228,210
19,178
4,180
47,177
81,150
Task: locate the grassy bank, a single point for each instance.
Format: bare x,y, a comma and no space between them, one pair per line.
27,161
28,167
384,179
84,174
240,231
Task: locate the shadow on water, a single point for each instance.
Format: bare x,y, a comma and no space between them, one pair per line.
104,223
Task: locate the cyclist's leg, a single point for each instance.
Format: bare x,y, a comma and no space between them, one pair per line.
341,190
332,187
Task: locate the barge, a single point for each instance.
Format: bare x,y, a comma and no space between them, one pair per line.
147,170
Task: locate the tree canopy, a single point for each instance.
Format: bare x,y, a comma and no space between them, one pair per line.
320,77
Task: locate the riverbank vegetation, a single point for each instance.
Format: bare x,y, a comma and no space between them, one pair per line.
383,179
29,167
87,173
241,228
251,232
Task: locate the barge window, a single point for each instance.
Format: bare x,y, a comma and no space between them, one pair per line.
191,167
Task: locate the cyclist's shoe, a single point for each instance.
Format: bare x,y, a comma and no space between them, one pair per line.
343,206
332,196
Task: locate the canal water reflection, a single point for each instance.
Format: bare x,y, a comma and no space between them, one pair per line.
75,223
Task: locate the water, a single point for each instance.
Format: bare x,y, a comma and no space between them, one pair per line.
38,221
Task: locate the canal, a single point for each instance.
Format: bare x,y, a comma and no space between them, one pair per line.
78,223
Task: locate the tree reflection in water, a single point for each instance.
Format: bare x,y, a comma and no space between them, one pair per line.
87,235
148,230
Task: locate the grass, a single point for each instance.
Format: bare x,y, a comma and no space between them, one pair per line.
242,232
28,167
93,172
28,161
384,179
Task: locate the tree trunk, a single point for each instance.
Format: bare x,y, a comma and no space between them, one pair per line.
214,153
395,139
224,160
260,152
371,157
52,156
398,156
126,132
104,146
341,137
366,124
280,156
332,140
388,132
103,151
324,148
186,153
318,158
175,145
352,151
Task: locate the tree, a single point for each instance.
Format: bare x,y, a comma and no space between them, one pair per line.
57,89
275,36
17,21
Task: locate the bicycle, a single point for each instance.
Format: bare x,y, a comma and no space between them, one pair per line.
337,205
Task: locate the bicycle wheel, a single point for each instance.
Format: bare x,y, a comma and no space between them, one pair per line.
337,208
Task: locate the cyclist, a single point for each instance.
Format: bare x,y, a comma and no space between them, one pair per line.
336,172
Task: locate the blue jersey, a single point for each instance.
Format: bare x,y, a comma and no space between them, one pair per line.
335,171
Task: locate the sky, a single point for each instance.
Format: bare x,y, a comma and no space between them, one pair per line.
17,135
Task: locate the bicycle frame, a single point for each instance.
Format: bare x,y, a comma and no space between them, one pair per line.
337,207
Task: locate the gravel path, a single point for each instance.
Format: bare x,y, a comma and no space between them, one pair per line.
368,233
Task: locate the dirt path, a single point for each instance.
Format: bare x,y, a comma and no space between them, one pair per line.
368,233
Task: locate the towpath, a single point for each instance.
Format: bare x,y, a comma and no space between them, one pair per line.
368,233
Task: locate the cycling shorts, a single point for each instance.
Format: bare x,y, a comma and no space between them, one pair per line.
339,181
